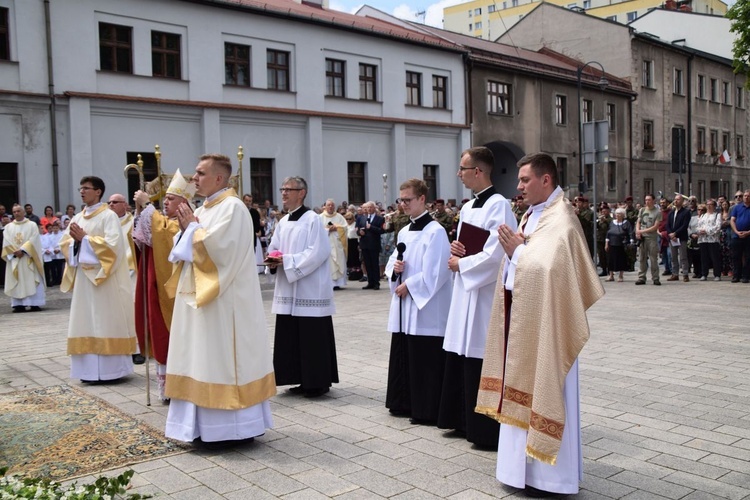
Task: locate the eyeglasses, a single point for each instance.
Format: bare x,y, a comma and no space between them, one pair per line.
405,201
85,188
461,169
286,190
113,202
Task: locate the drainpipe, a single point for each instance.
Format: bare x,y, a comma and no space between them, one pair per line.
630,142
689,132
52,107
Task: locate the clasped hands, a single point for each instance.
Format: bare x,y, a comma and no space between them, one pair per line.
185,216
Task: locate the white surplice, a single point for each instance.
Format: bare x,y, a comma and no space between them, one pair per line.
514,468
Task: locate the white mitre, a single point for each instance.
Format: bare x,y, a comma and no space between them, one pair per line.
182,187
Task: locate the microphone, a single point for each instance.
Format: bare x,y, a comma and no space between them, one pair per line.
400,248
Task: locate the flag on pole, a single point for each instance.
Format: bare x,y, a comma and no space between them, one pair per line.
724,157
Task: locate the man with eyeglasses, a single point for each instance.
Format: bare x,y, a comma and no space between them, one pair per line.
739,219
101,331
24,272
474,280
304,346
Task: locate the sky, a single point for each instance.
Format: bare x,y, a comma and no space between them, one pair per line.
408,9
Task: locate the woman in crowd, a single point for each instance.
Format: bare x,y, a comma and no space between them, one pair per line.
725,238
709,230
352,257
619,234
48,219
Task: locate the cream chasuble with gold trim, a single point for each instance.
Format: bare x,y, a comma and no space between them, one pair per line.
22,275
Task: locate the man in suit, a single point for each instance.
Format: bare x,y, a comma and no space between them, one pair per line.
677,232
369,228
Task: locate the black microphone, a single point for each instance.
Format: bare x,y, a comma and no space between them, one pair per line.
400,248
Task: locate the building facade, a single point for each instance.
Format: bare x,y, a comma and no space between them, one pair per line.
678,87
335,98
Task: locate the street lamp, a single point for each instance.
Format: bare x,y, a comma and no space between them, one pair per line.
603,83
385,191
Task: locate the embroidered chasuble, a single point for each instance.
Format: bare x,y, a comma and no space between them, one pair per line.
126,222
101,310
339,245
219,355
22,275
547,330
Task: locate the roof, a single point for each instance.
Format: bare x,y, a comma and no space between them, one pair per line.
304,12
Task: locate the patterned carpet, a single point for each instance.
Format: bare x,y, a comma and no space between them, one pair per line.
60,432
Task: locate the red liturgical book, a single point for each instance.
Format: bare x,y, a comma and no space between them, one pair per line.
473,238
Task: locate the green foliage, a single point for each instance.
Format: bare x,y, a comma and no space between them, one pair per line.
13,487
739,13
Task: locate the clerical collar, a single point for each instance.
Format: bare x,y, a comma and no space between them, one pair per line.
541,206
483,196
298,212
420,222
92,208
215,195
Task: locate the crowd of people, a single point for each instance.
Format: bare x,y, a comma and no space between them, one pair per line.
180,285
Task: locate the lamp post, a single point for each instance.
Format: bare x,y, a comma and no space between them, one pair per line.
385,191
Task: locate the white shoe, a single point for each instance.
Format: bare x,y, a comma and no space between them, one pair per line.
717,278
703,278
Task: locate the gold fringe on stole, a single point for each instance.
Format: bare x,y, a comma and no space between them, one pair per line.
221,396
207,286
31,252
104,346
505,419
487,411
542,457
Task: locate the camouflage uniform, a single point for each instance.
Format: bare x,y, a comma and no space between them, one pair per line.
586,218
398,222
446,220
518,211
602,226
631,215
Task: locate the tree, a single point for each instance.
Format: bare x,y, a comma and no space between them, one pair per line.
739,13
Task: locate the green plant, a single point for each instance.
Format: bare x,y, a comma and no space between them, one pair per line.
103,488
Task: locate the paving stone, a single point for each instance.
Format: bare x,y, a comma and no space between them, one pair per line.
236,463
189,462
377,483
273,482
293,447
220,480
306,494
170,479
382,464
340,448
689,466
385,448
333,464
651,485
628,450
432,448
607,487
432,483
198,493
706,485
323,482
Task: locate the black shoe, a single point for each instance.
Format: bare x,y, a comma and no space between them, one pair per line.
296,390
422,421
657,283
745,280
315,393
667,273
138,359
35,309
399,413
22,309
337,288
363,279
640,282
532,492
603,273
371,287
734,280
221,445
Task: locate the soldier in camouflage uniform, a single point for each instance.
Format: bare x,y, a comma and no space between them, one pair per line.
397,221
519,208
586,218
631,215
442,216
602,226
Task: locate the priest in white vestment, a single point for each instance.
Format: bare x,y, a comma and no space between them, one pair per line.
336,226
475,277
24,270
101,331
419,280
537,330
219,370
304,345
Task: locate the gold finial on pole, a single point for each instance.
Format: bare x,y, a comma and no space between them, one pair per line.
157,154
240,156
138,166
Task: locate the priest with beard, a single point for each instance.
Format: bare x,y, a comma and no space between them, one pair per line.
419,280
219,371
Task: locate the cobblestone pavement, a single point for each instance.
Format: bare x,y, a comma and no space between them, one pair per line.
665,408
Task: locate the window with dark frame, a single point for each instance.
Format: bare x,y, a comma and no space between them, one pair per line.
561,110
714,134
115,48
236,64
612,116
740,99
648,74
261,178
725,144
8,184
701,141
701,87
439,91
587,110
725,93
498,98
562,171
678,82
355,171
648,185
648,135
165,55
4,34
277,65
714,89
740,151
149,170
612,176
413,88
335,78
430,176
368,77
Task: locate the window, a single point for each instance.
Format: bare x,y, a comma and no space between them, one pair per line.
478,12
413,88
498,98
562,171
701,87
356,179
714,90
725,93
165,55
491,8
277,67
648,74
648,135
430,176
115,48
739,187
679,88
714,142
701,190
612,18
236,64
725,142
471,12
740,152
4,35
612,116
367,82
149,170
740,99
439,89
612,176
335,82
586,4
632,16
648,185
8,183
701,141
478,25
587,110
514,3
261,179
561,110
471,26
